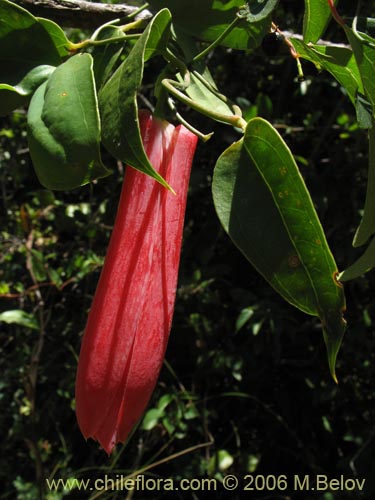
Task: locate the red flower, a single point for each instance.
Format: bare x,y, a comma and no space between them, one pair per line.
129,322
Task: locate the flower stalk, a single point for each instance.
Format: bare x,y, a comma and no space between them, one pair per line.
130,319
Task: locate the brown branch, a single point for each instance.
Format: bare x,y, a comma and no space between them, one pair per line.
80,13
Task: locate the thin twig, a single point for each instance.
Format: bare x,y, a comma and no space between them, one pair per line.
81,13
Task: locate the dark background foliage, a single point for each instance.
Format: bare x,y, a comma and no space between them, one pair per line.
244,370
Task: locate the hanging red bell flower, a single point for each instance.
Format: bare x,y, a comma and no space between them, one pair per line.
129,322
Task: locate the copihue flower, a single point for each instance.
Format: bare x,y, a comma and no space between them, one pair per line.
130,319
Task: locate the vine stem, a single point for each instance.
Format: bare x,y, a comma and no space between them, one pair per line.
181,119
74,47
335,14
233,120
218,40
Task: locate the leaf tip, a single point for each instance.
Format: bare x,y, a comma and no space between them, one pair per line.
333,374
333,339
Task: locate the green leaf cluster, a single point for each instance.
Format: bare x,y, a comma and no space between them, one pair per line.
30,48
354,69
66,121
207,20
83,98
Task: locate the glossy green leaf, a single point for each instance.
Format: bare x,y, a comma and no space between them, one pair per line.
118,98
365,57
12,97
367,225
207,20
339,61
64,127
365,263
19,317
316,18
263,204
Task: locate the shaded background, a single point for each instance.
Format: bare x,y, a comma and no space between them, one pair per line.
244,370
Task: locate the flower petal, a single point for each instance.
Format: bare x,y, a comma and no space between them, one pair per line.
130,318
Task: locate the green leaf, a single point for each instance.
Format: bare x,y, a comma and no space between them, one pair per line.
206,21
19,317
118,98
362,265
315,20
339,61
365,57
202,87
264,206
28,47
224,4
206,94
244,317
64,127
367,225
14,96
38,265
152,418
26,42
366,27
57,35
257,10
105,57
363,112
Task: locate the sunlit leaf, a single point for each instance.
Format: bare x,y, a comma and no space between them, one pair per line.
316,18
19,317
339,61
364,54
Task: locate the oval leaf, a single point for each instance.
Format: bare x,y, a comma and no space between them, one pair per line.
19,317
207,20
64,127
118,98
316,18
264,206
